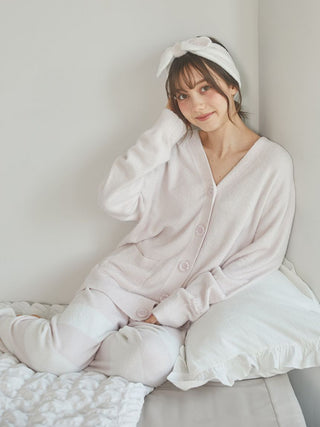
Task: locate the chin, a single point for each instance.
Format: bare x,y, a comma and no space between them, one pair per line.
208,128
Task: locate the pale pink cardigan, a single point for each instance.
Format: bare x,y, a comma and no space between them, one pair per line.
195,243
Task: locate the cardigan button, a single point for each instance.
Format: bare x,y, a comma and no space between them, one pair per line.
163,297
200,229
184,265
143,313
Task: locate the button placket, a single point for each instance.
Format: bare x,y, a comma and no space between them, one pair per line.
198,240
184,267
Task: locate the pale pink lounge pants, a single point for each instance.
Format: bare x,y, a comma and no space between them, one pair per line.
92,332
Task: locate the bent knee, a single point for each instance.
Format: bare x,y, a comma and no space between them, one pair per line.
144,354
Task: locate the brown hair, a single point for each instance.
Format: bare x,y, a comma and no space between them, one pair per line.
181,69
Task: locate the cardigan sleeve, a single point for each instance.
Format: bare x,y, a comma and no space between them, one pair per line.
121,195
262,256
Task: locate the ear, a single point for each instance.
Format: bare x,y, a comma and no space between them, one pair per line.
233,90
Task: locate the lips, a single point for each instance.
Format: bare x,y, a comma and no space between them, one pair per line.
204,117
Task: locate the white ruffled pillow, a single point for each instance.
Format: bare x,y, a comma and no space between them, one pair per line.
267,328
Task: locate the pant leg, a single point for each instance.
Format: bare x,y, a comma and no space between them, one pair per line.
67,342
140,352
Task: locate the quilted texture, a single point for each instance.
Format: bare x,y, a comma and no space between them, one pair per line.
85,398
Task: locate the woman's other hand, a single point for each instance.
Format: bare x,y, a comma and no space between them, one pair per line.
152,319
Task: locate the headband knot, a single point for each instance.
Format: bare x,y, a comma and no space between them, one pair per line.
201,46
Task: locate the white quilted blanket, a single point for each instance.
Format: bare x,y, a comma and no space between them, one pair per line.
34,399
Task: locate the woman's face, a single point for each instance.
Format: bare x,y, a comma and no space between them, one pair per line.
202,105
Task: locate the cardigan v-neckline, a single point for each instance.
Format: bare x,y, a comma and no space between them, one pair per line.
202,158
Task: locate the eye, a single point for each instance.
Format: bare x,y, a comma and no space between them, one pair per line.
180,96
205,88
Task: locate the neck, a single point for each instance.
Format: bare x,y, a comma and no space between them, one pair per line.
227,138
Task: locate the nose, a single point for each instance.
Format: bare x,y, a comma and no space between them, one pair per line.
198,103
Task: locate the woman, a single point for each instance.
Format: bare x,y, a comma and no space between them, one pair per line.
214,205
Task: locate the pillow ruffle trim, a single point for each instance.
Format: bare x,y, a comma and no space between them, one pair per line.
266,363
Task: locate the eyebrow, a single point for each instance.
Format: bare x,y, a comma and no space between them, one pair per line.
195,85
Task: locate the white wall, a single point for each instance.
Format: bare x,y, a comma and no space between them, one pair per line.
290,110
289,35
78,85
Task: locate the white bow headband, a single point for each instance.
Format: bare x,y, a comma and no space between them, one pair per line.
201,46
